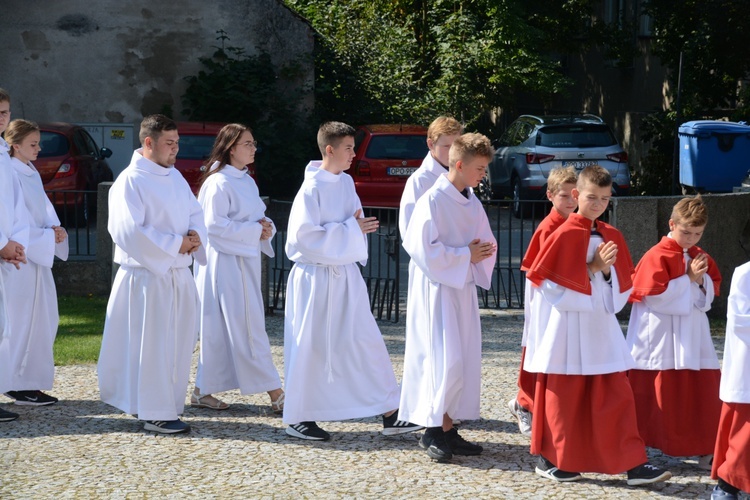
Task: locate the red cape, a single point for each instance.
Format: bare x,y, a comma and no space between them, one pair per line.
545,228
562,258
663,263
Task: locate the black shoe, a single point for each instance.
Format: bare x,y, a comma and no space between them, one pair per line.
31,398
433,441
392,425
309,431
547,469
460,446
166,426
647,474
7,416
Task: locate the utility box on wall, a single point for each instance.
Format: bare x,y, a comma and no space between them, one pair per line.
119,137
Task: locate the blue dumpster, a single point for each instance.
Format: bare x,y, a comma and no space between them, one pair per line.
714,155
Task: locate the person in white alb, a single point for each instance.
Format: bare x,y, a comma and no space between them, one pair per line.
32,307
152,316
336,364
14,236
452,246
234,348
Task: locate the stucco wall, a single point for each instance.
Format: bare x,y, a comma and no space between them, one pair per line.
114,61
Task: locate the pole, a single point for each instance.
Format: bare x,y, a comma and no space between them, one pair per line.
678,119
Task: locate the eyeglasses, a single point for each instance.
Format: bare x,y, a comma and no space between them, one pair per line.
250,144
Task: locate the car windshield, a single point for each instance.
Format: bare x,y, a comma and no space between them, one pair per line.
575,136
397,147
195,147
52,144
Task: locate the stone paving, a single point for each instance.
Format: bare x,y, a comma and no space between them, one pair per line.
82,448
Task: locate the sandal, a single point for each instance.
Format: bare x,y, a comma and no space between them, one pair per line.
207,401
278,405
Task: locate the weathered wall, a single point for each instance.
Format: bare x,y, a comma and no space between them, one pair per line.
114,61
644,220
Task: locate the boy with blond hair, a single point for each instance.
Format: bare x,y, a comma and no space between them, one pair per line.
440,136
584,412
560,185
452,247
676,377
336,364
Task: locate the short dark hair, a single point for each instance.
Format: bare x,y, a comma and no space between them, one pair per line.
4,95
331,133
153,125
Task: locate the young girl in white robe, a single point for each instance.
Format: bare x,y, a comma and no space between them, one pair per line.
234,350
32,304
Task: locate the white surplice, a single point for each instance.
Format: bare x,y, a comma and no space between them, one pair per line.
14,226
670,331
152,315
735,376
571,333
442,361
416,185
32,307
336,364
234,348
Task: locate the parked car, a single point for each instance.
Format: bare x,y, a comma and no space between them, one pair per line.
386,155
534,145
70,160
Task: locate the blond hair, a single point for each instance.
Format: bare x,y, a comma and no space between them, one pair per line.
18,130
559,176
444,125
596,175
468,146
690,212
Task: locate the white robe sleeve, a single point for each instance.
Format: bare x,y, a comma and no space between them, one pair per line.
266,246
675,300
703,301
21,217
153,249
482,270
327,243
614,299
564,299
233,237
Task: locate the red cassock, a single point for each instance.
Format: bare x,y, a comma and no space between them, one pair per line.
584,423
527,380
678,410
732,451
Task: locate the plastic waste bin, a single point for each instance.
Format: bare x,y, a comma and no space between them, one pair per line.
714,155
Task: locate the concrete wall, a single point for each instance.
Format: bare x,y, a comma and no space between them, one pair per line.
644,220
114,61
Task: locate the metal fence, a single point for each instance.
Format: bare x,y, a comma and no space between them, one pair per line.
77,213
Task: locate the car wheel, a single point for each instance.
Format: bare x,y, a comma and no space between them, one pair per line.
520,208
484,190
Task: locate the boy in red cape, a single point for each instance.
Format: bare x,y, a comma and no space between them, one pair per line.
676,380
560,184
732,452
584,412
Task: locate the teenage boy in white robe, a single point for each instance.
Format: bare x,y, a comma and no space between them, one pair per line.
32,306
14,236
452,246
234,348
336,364
152,316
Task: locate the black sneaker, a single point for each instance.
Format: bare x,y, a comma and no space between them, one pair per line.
166,426
309,431
433,442
647,474
460,446
392,425
31,398
547,469
7,416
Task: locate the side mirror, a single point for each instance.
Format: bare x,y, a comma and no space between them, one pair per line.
105,152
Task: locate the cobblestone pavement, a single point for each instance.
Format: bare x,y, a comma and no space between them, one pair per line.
82,448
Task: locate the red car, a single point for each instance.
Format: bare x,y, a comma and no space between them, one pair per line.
386,155
70,160
196,141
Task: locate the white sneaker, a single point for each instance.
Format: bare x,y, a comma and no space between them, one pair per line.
523,416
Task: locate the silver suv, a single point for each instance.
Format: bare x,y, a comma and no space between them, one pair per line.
534,145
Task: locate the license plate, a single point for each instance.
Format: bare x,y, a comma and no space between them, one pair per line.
579,164
401,171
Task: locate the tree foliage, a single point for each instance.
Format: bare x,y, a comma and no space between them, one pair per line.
250,89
